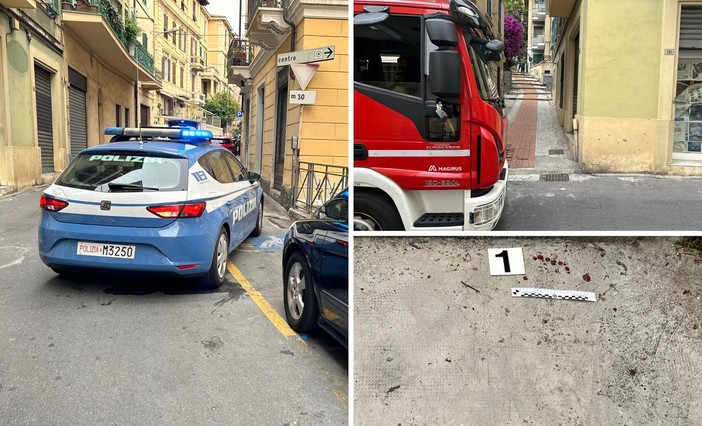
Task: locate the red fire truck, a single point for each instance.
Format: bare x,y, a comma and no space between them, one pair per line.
429,131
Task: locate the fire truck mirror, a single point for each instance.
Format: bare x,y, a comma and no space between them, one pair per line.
442,32
494,50
445,75
371,18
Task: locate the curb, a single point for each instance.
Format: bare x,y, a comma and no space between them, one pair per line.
5,190
297,214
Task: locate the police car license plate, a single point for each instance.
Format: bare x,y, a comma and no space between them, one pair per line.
105,250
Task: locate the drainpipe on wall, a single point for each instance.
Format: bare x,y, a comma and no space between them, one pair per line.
286,18
294,144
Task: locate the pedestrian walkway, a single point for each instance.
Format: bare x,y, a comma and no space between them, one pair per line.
536,143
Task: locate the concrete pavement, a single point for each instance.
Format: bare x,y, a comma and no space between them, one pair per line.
438,340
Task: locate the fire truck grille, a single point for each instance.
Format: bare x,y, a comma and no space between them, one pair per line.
439,219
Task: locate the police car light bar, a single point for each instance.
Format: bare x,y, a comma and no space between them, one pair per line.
180,133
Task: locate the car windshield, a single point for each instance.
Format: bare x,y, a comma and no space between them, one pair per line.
125,172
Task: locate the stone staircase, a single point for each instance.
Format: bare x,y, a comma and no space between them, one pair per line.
526,87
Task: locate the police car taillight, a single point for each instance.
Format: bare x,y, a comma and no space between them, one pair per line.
175,211
52,204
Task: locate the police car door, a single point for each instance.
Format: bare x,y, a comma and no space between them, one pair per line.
235,200
246,220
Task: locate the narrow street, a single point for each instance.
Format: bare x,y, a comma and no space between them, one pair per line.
102,349
548,191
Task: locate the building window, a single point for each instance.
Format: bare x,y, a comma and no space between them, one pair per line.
175,30
165,25
166,68
126,117
687,135
118,115
145,41
182,78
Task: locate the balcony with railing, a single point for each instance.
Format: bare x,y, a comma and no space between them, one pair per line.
197,62
266,26
239,58
190,112
199,97
100,26
539,12
537,41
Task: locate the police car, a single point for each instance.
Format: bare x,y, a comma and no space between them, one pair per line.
158,200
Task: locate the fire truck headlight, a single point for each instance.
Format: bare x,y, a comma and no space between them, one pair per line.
486,213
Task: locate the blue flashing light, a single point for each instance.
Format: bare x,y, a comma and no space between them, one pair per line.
114,130
195,134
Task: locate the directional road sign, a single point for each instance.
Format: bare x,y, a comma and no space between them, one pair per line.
305,56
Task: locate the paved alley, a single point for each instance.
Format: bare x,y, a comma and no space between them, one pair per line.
535,141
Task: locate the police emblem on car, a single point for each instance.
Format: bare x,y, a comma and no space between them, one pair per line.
160,200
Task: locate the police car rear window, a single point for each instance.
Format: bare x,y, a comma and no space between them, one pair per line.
125,172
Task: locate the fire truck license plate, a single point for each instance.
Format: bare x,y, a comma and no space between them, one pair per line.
105,250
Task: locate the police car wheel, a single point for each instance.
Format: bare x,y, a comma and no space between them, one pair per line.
218,269
298,294
259,222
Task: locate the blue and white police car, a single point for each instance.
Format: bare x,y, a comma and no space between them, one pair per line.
158,200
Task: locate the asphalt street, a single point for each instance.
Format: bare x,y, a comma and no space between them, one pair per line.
113,350
603,203
440,339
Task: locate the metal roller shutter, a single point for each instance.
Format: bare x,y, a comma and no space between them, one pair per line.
691,27
78,111
45,128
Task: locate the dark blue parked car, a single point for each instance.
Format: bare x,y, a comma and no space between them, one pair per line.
315,265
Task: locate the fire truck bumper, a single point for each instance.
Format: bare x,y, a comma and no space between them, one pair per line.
482,213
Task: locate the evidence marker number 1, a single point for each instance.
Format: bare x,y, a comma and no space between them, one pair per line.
547,293
506,261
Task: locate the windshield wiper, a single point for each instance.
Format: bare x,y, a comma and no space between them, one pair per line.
129,187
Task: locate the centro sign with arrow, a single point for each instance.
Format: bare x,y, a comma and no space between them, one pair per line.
325,53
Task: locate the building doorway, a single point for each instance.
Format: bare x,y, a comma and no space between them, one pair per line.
45,122
281,122
78,111
260,110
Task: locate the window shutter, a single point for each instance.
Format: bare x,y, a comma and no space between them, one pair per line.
691,27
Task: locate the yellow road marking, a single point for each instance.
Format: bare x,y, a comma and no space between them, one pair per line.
342,397
265,307
277,321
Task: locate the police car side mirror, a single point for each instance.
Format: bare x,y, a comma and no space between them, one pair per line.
254,177
337,209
